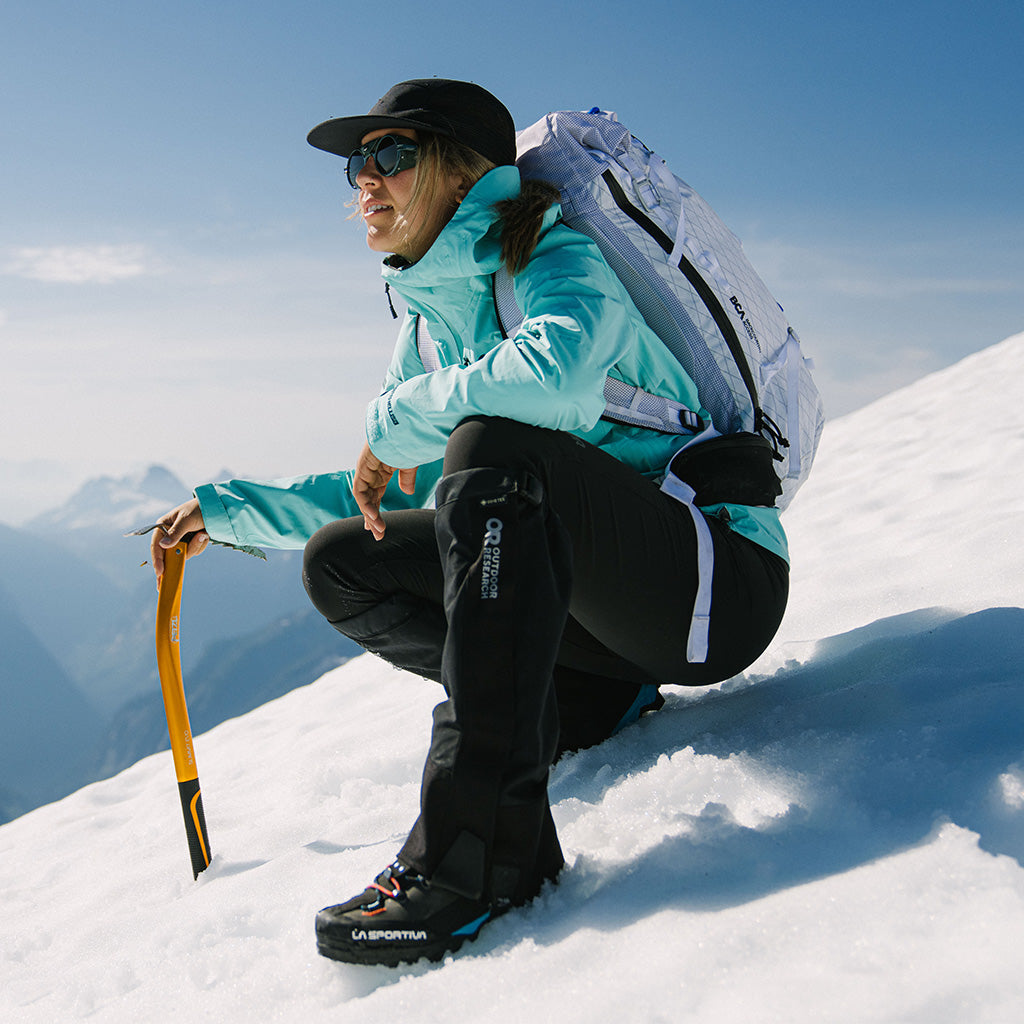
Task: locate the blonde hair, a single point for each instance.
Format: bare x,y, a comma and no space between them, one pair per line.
441,158
521,217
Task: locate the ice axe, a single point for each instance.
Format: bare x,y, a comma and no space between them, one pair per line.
168,663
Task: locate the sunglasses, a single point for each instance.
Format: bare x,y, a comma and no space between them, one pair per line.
390,153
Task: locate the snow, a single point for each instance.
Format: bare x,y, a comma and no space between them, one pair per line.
837,835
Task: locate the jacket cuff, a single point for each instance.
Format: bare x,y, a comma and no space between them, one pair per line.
215,516
376,432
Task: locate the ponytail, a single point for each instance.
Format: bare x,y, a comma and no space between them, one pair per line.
521,220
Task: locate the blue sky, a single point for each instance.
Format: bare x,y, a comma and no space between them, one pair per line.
179,282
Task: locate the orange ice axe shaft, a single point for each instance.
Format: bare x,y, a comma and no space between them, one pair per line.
168,660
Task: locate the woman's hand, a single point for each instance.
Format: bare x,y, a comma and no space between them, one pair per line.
370,478
184,519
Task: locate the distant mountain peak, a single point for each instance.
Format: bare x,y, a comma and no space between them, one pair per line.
159,480
108,502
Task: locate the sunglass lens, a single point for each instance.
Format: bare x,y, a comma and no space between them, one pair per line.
356,162
386,157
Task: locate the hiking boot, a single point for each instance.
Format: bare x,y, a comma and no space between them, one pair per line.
400,918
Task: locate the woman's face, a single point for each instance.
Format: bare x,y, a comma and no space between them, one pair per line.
384,204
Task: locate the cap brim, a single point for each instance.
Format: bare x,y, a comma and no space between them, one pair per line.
344,135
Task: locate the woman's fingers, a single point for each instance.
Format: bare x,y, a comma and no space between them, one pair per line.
186,519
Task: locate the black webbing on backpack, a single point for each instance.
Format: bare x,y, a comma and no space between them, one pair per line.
710,300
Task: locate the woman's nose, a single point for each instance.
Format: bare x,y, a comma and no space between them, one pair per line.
368,172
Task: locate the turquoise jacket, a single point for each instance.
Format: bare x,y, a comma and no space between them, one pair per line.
579,326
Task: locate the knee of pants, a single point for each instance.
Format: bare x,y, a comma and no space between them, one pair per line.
323,568
492,442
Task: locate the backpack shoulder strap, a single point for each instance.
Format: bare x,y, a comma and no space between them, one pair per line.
425,346
510,316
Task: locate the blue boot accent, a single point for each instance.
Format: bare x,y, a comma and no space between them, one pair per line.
474,926
647,698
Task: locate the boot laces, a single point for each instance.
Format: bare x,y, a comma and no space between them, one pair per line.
389,885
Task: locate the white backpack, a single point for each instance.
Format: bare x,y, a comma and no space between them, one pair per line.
690,279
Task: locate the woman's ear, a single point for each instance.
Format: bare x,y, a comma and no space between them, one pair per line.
461,190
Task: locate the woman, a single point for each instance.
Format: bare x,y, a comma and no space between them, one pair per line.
551,590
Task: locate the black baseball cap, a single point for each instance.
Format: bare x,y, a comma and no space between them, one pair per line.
463,111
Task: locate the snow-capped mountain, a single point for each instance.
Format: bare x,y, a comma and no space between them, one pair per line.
137,498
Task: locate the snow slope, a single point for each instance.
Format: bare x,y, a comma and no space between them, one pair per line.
836,836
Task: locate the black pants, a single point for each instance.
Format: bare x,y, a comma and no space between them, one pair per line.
549,585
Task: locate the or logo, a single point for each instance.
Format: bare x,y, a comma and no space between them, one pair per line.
491,561
493,534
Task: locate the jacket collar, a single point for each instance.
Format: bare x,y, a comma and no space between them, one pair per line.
467,246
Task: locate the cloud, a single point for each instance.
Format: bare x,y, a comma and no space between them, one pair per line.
78,264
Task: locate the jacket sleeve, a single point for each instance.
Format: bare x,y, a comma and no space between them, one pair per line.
285,513
551,373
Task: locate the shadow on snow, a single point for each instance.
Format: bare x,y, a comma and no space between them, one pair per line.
891,729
